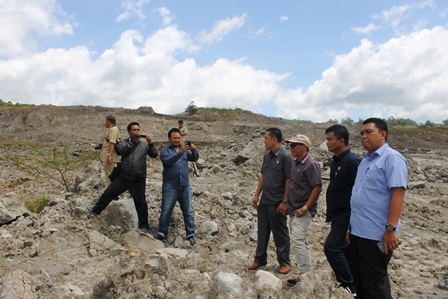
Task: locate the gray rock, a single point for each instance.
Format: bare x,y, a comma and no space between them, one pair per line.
18,284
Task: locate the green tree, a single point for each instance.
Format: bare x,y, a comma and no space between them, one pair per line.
445,122
333,121
347,121
191,108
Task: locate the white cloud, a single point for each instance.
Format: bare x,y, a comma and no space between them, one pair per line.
284,18
404,77
366,29
222,28
166,15
132,7
136,72
21,20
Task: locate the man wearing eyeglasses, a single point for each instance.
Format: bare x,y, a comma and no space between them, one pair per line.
303,193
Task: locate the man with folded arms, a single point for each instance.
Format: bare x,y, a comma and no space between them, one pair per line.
303,193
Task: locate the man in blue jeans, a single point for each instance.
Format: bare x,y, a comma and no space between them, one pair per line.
343,171
176,184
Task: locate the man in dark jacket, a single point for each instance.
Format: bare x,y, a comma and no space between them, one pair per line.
132,176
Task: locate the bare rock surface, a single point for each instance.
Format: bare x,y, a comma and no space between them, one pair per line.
65,252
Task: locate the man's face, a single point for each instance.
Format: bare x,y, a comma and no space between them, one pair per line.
107,123
269,141
134,132
371,137
174,139
181,125
333,144
298,150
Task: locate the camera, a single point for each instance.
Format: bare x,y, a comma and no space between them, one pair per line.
188,142
142,136
98,146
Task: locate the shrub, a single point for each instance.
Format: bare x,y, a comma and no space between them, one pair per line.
36,205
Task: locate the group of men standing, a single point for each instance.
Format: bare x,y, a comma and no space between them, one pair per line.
132,175
364,203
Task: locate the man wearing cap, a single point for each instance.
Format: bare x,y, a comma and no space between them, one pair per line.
109,157
343,169
271,208
376,204
303,193
183,131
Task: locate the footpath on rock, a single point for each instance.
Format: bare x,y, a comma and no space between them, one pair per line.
64,252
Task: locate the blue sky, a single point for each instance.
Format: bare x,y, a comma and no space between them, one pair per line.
309,60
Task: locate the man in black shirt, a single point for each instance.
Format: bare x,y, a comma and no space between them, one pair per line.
343,171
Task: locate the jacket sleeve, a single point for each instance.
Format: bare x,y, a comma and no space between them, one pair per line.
124,146
152,151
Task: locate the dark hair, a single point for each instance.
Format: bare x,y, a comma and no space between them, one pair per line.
180,121
134,123
112,119
275,132
379,123
176,130
340,132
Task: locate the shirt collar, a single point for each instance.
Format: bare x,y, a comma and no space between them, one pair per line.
378,152
304,159
341,156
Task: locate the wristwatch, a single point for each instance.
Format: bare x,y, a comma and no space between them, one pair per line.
391,228
285,201
304,208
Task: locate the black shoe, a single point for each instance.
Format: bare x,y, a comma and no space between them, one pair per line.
159,237
191,240
350,289
89,209
143,230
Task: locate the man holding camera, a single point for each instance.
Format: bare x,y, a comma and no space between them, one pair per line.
176,184
108,156
132,176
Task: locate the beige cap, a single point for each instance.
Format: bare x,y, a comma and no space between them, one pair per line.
299,138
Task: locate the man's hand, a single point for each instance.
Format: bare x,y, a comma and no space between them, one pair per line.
148,139
282,208
299,212
390,241
255,202
347,237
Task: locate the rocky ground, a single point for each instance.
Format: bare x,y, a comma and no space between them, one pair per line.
63,252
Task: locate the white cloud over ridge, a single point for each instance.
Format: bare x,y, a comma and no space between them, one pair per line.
404,77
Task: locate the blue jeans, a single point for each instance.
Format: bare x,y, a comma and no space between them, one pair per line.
170,195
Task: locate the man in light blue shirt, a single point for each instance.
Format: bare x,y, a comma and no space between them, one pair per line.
376,204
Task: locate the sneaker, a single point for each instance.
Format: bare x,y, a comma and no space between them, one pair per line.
89,209
350,289
159,237
191,240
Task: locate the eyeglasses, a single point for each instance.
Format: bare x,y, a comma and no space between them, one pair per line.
293,145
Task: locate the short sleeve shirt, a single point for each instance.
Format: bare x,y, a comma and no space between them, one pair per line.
183,130
112,136
371,195
305,175
276,170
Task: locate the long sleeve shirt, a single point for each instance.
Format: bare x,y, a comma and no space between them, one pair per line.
175,165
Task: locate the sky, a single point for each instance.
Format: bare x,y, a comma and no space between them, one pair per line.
308,60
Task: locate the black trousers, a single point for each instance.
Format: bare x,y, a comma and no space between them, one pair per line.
337,252
137,190
370,269
269,221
